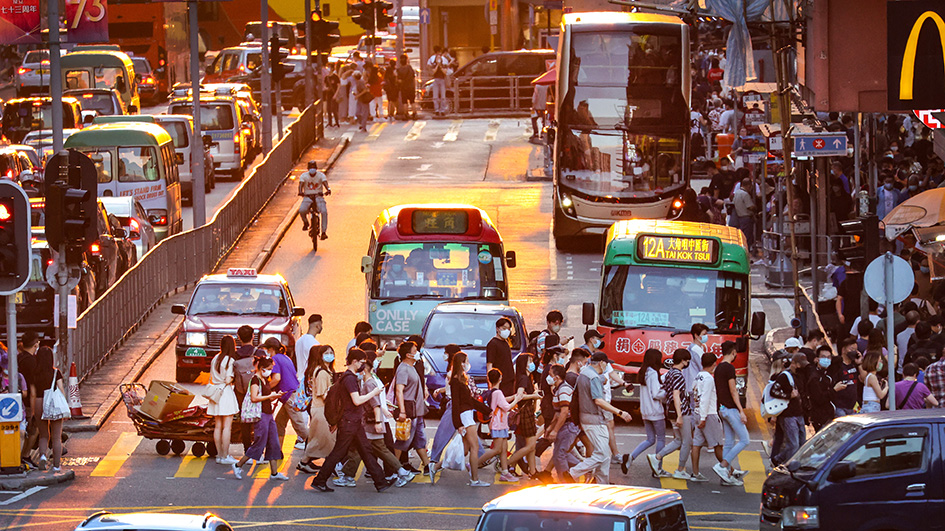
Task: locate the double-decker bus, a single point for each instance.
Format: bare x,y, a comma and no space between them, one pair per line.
660,277
422,255
621,144
156,30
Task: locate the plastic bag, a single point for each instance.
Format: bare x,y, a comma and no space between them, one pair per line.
454,457
403,430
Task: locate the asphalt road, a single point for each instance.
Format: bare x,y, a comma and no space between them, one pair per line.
476,161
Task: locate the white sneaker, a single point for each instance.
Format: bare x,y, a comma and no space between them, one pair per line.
228,460
615,459
722,472
401,481
300,445
409,476
478,483
280,476
682,474
237,471
344,482
739,474
698,478
654,462
732,482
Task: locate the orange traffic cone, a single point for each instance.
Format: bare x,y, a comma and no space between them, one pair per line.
75,405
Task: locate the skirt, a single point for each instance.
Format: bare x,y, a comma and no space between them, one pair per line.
526,419
227,406
320,438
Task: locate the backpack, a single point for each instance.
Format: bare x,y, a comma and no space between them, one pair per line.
334,401
242,373
773,401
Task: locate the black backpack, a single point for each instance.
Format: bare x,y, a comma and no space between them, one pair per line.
334,401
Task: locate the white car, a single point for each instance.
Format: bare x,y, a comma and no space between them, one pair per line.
134,219
33,74
43,138
154,522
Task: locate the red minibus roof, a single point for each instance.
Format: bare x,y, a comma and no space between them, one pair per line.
435,222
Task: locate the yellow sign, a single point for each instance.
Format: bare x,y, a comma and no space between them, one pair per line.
908,59
680,249
493,5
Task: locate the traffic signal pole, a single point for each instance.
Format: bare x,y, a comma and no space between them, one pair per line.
265,80
197,192
275,60
309,81
11,342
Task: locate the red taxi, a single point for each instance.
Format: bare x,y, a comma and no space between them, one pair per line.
221,304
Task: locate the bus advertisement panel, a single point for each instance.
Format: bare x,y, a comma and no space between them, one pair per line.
422,255
661,277
621,145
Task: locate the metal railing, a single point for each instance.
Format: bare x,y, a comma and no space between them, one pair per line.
493,93
182,259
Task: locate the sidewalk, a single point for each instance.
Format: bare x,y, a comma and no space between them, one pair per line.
775,338
99,392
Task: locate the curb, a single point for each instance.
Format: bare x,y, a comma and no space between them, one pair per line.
770,347
25,481
283,227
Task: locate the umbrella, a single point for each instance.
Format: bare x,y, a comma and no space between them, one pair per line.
548,78
922,211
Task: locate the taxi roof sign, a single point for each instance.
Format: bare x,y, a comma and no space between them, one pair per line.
241,272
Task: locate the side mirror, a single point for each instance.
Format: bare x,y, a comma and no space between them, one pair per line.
120,233
298,311
510,259
366,264
134,235
842,471
588,313
178,309
757,324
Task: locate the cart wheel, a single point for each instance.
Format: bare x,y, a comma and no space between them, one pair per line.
163,447
211,449
198,449
177,446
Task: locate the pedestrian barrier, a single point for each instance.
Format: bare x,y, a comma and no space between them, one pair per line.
492,94
182,259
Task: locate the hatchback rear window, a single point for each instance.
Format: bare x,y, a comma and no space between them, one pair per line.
178,132
36,56
212,117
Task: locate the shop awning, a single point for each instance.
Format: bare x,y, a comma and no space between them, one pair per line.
548,78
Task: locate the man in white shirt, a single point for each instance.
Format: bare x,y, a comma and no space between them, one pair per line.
708,427
304,344
728,120
310,186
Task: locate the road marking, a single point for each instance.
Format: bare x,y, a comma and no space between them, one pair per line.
376,131
453,132
670,464
414,132
493,131
424,167
117,455
22,495
753,462
360,473
190,467
288,444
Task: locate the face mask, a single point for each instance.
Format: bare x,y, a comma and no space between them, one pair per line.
597,343
377,363
531,366
703,338
446,358
329,357
888,186
312,172
266,373
923,269
505,333
893,148
550,380
361,368
824,362
879,368
556,328
467,366
416,356
913,188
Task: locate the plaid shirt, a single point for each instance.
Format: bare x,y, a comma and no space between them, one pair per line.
935,380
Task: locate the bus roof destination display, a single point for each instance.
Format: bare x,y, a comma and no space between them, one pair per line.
439,221
677,249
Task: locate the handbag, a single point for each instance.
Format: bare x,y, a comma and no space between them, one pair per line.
365,96
251,411
55,405
300,400
213,392
402,433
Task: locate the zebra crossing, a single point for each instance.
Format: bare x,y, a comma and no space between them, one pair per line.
477,130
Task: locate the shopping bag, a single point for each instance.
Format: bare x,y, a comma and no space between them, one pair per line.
403,430
454,457
55,405
251,411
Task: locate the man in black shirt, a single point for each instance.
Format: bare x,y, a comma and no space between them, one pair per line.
351,428
734,421
26,365
243,371
790,433
846,370
499,355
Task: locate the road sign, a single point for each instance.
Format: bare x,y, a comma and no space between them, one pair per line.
52,270
932,118
820,145
11,407
875,283
425,15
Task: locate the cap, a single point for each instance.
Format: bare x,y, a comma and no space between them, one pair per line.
593,332
598,357
793,342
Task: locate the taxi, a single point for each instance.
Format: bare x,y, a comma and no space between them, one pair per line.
567,507
221,117
222,303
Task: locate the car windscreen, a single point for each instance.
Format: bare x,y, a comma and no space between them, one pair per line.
213,117
142,66
178,132
468,330
552,521
35,115
137,164
439,270
103,103
238,299
36,56
821,447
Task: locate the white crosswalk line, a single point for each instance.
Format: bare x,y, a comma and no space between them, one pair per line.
414,132
493,130
453,132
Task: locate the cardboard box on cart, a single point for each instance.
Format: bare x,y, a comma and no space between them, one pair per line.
164,398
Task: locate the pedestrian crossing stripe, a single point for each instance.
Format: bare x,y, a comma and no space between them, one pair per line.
117,455
414,132
262,471
376,130
670,464
190,467
493,132
453,132
749,460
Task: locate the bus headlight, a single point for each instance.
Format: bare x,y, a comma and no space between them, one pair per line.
567,204
197,339
803,517
676,207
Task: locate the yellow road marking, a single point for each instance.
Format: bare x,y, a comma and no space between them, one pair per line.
670,464
414,132
288,444
753,462
117,455
376,130
453,132
360,472
190,467
493,131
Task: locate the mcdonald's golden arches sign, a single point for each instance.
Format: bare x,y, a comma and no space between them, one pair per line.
915,54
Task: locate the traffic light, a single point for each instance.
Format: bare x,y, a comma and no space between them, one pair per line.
382,17
71,205
364,15
15,238
324,33
860,243
276,57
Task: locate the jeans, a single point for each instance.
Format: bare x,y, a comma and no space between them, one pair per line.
439,94
265,440
682,441
598,463
842,411
562,457
351,432
320,206
734,428
870,407
793,435
655,433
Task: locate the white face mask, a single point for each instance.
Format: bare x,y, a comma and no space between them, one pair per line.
505,333
267,372
550,380
556,328
446,358
596,342
703,338
467,366
377,363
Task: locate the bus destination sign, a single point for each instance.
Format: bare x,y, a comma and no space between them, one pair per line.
677,249
428,221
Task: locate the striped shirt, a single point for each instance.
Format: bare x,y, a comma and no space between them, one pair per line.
674,380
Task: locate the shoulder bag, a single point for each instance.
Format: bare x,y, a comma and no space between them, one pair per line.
251,411
55,405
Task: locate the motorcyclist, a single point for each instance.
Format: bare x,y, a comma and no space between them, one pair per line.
310,185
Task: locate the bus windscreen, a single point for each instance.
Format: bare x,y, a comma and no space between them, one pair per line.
439,270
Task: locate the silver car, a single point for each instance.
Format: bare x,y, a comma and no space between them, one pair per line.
134,219
33,74
154,522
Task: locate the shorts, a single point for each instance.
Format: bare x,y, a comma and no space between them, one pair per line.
417,438
711,435
467,418
409,95
500,434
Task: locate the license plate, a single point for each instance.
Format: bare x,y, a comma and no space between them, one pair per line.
43,72
195,352
20,297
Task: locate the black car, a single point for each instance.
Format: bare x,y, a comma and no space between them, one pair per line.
866,472
486,82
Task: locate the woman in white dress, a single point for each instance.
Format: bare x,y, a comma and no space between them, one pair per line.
223,405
